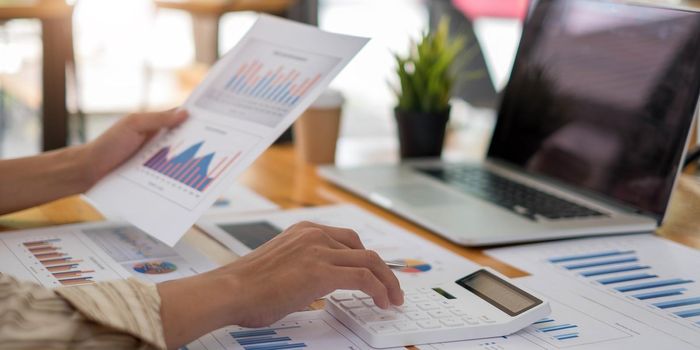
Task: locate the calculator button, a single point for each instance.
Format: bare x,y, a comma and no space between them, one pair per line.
451,322
383,328
436,297
362,312
406,326
428,305
416,298
446,304
429,324
368,302
486,319
459,312
341,296
378,310
417,315
361,296
405,308
470,320
424,290
352,304
389,313
379,318
439,314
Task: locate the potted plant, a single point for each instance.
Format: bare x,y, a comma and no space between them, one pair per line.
426,79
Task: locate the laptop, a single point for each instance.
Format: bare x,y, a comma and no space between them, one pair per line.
589,139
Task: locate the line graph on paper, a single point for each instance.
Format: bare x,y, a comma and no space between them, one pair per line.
184,168
268,83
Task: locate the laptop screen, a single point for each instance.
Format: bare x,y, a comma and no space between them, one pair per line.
601,97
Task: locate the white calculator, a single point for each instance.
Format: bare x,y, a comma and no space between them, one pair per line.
481,305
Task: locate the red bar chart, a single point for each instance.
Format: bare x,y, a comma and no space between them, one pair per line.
66,269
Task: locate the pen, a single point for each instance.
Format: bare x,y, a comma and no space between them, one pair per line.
394,265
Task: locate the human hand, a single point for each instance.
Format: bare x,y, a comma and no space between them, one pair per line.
285,275
303,264
125,138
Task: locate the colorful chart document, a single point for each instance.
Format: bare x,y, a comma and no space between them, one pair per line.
239,199
426,263
87,253
308,330
578,321
644,278
247,100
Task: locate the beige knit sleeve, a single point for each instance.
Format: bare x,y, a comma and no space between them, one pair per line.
121,314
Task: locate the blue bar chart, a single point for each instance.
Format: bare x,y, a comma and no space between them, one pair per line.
315,333
643,285
568,326
558,331
624,272
266,339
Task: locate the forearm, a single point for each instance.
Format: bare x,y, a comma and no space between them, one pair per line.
30,181
194,306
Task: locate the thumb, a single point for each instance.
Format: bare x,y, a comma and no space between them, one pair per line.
148,122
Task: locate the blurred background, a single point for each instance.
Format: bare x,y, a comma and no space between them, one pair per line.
122,56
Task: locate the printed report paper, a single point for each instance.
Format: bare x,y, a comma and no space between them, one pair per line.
426,263
247,100
309,330
72,255
577,322
239,199
641,277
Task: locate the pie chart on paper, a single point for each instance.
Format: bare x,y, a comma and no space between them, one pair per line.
413,265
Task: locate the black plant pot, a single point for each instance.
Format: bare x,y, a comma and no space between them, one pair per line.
421,135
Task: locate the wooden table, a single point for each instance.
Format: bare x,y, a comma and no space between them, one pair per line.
282,178
279,176
56,18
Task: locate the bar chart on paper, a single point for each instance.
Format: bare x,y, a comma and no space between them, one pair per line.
146,257
185,164
58,260
188,169
66,269
643,276
568,327
269,82
308,330
624,272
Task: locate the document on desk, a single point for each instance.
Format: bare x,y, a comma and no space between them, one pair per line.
577,321
81,254
651,280
247,100
239,199
426,263
309,330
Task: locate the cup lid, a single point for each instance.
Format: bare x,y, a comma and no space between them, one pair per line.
330,98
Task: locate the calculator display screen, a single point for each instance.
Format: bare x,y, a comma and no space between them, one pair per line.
499,293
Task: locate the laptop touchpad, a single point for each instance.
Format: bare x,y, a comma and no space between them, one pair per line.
420,195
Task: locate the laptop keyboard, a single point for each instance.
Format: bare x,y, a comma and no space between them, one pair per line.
518,198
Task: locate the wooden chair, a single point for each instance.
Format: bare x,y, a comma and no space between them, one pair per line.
206,15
